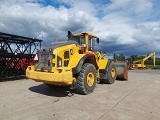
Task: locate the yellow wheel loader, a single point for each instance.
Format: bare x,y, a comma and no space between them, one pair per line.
75,63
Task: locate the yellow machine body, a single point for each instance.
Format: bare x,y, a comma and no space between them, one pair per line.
140,63
73,62
63,73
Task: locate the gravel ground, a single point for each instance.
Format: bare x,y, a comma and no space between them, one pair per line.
136,99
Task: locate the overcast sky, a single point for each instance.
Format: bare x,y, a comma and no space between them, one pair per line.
123,26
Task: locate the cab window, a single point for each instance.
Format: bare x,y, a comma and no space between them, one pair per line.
79,39
90,43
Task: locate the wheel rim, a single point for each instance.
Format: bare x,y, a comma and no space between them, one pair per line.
113,72
90,79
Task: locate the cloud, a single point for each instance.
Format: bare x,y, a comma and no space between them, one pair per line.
138,7
128,27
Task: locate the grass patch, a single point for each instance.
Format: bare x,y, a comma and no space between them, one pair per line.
152,67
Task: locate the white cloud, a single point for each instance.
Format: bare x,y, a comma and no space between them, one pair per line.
122,26
86,5
131,6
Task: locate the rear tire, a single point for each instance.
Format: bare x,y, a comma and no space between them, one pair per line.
110,76
86,80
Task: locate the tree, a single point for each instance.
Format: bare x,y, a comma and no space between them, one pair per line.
121,57
115,57
134,57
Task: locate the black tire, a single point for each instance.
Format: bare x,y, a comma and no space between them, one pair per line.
107,77
86,80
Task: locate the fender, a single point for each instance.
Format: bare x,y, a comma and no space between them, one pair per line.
82,61
106,68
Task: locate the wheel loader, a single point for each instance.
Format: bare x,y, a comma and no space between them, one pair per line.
75,63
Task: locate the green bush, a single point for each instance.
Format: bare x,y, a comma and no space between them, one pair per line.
157,67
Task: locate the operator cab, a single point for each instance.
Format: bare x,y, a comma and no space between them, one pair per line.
85,40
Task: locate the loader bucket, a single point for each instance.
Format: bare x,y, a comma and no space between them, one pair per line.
121,69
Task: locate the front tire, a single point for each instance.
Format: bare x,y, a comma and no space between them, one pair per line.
110,76
86,80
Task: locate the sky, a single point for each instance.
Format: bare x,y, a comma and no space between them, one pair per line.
126,27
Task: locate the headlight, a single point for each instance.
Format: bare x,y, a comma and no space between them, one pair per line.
50,49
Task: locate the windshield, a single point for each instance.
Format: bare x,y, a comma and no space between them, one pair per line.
79,39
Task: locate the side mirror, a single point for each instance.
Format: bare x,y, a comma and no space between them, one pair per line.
97,40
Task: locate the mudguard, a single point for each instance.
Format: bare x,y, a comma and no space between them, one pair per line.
82,61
